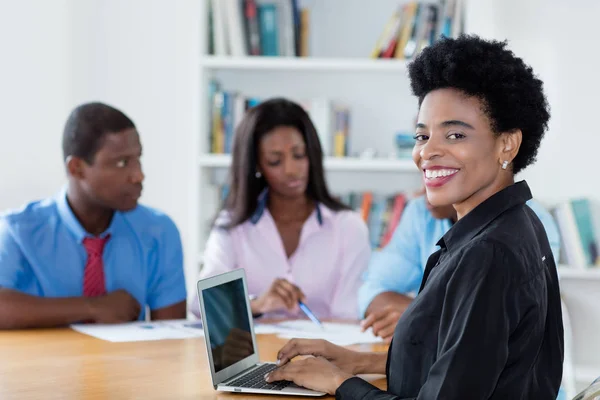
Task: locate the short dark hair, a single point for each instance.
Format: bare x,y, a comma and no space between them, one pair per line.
512,95
86,126
242,199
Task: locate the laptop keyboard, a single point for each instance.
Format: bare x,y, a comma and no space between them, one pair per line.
256,379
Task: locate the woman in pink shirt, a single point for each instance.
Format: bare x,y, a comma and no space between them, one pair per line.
280,223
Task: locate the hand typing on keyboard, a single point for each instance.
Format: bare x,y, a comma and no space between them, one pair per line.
312,373
256,379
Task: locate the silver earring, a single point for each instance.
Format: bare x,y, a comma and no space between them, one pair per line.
504,164
258,174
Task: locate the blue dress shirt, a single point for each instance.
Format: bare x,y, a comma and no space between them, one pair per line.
400,265
42,254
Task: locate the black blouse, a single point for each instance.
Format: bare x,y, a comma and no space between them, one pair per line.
487,323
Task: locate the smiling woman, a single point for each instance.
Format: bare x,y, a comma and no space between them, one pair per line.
281,224
463,160
487,321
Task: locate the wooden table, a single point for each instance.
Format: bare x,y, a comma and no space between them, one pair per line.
64,364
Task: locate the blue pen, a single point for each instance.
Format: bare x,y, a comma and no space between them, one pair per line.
309,314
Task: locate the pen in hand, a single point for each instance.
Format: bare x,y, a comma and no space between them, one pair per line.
310,314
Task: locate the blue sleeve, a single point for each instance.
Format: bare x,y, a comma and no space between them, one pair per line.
397,267
549,225
167,281
12,261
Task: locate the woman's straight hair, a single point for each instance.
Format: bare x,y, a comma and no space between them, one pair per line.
245,187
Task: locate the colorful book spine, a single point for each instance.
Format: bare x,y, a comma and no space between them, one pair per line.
397,210
267,16
252,27
584,222
381,213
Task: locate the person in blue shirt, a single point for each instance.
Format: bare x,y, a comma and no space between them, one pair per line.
395,273
91,253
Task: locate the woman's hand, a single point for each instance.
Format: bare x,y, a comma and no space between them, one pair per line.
314,373
346,360
281,295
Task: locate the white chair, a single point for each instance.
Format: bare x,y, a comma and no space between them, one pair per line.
568,379
592,392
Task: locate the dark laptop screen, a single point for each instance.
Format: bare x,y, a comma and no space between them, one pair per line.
227,323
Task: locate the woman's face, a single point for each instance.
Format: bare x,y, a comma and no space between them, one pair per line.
458,153
283,161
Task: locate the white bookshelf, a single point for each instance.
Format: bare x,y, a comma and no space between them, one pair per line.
337,164
332,65
376,90
579,273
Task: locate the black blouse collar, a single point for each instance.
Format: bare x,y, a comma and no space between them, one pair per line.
481,216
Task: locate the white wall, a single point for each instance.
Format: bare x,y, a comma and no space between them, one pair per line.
557,39
139,55
34,98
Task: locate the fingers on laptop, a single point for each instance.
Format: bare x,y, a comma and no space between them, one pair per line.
300,347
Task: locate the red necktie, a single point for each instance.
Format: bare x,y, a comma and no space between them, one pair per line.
93,278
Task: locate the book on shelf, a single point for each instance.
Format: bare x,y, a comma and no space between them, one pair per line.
416,25
227,108
381,213
332,122
258,28
579,241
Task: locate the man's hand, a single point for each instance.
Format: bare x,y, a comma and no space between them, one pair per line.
314,373
281,295
113,308
383,322
384,312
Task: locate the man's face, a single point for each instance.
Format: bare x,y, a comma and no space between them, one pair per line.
114,178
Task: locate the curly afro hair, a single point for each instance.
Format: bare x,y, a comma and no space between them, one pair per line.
512,95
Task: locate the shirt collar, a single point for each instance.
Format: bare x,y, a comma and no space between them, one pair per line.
322,211
70,220
481,216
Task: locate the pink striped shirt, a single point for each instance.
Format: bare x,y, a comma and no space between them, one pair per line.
328,264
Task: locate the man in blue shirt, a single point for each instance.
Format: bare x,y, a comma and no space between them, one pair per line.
395,273
91,253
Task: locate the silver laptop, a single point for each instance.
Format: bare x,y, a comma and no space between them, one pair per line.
230,339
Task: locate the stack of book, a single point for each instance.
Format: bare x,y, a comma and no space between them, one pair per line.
227,108
579,242
381,213
415,25
258,27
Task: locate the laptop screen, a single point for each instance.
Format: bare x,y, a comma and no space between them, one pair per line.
227,323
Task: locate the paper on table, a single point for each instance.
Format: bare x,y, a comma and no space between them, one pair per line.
266,329
340,334
141,331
